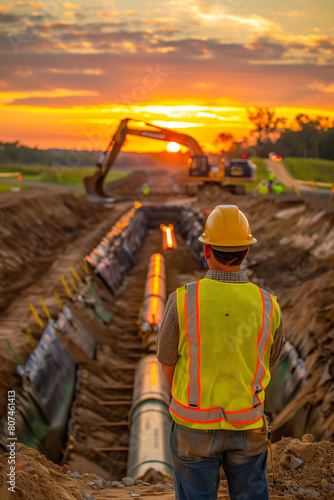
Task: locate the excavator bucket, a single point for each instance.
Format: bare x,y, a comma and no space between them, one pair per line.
94,189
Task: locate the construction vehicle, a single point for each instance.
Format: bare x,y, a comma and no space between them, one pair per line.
204,170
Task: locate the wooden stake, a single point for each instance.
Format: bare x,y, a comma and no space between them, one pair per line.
115,403
45,309
30,337
113,448
73,285
114,424
65,285
38,319
75,274
58,300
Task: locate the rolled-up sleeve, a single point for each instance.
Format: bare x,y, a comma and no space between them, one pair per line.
168,336
277,346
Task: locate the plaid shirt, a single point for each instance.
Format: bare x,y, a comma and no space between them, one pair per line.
168,337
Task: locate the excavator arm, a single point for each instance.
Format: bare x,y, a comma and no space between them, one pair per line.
94,183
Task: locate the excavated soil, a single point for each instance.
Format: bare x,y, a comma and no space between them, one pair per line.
44,235
34,227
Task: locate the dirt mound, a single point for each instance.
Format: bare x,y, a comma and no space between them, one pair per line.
303,468
169,182
31,229
130,184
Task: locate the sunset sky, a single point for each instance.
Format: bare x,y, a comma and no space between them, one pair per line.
71,70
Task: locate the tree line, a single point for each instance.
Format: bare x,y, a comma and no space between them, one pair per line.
309,137
16,153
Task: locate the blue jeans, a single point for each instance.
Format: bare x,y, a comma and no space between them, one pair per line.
198,454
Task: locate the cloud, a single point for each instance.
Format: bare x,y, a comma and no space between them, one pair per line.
157,21
322,87
169,124
70,15
103,14
70,6
10,18
108,51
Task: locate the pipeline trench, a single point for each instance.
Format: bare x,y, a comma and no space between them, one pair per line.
85,395
99,428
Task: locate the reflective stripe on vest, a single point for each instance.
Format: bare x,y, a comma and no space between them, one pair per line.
262,342
191,309
193,413
213,415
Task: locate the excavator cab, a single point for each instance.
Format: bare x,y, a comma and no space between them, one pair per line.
206,168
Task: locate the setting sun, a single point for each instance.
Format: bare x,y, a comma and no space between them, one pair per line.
173,147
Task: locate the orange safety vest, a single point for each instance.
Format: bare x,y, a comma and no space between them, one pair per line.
226,333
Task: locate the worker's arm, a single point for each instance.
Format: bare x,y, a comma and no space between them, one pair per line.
278,343
168,339
168,371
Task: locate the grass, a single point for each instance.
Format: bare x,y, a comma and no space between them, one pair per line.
310,169
5,188
261,174
58,175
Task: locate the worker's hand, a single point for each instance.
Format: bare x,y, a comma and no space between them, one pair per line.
168,372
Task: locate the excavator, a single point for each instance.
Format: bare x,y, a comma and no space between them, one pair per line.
204,170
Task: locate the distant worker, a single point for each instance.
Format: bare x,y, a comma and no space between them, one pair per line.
263,188
277,188
271,180
218,339
146,190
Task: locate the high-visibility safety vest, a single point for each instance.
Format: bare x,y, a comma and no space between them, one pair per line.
226,334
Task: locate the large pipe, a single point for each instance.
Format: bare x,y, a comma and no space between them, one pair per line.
149,415
150,421
154,302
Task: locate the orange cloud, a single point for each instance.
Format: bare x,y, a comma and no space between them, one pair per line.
69,14
68,5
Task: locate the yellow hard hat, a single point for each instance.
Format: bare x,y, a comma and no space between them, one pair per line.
228,227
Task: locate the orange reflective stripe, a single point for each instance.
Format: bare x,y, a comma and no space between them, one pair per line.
255,398
269,336
213,415
186,317
199,346
262,342
193,338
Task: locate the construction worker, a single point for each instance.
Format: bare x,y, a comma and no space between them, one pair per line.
271,180
277,188
218,339
146,190
263,188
